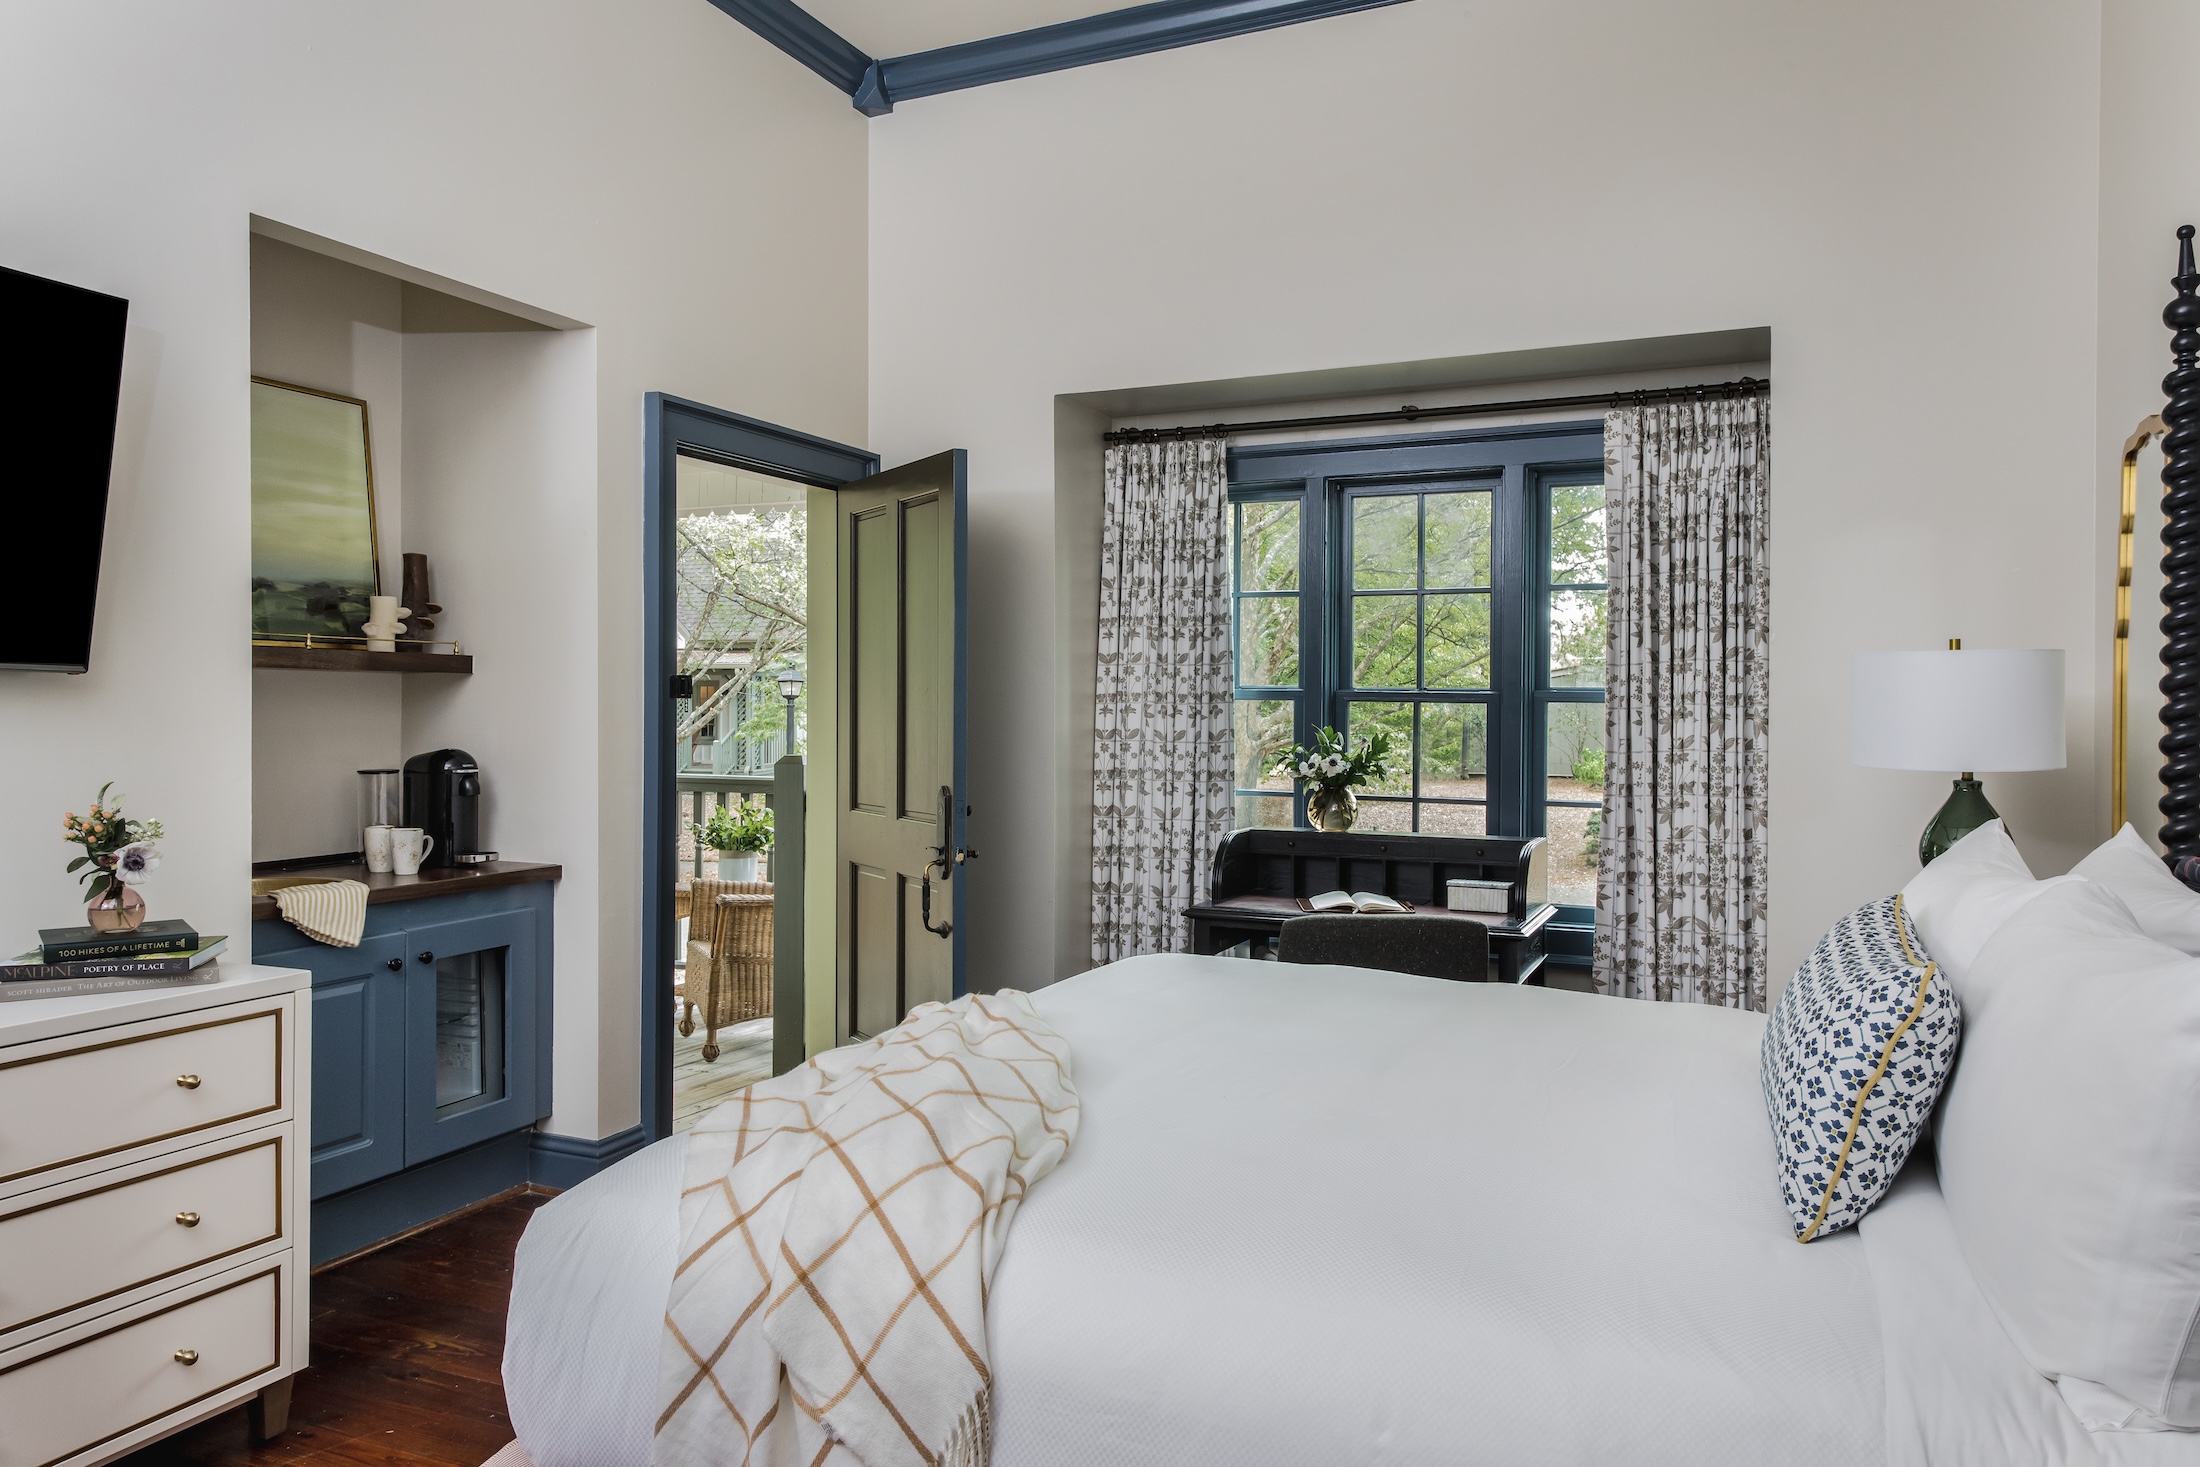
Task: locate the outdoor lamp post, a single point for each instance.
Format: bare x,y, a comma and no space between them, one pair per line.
790,688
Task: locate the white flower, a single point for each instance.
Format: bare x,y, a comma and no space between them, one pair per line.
135,862
1333,765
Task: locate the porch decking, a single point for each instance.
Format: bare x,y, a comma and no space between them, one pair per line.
744,1057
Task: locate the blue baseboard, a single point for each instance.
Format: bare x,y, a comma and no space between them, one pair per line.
566,1161
382,1209
367,1215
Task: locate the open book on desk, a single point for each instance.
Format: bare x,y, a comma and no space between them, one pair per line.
1353,901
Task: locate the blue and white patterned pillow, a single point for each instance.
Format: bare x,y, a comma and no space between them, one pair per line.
1853,1059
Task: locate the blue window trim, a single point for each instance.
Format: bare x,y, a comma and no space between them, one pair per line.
1520,464
876,85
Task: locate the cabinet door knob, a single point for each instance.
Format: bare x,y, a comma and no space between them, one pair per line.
188,1219
188,1082
427,957
187,1357
396,964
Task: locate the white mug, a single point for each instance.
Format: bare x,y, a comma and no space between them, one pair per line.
377,846
409,846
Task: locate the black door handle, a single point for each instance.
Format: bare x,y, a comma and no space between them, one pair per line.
396,964
427,957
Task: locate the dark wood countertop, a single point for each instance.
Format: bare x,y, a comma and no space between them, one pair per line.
382,886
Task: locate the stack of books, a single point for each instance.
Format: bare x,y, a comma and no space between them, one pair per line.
82,960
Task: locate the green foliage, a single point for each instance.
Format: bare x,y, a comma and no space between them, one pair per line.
1593,846
744,588
1589,767
735,829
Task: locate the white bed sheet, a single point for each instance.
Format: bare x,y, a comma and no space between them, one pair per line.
1342,1217
1958,1392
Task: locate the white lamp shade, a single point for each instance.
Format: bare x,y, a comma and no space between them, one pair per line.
1959,711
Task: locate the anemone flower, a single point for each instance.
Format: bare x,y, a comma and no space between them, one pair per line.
135,862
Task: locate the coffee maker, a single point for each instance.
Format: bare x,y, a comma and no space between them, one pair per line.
443,798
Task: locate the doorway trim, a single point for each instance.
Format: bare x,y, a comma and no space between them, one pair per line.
671,426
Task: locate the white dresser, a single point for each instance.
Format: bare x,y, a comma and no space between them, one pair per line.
152,1212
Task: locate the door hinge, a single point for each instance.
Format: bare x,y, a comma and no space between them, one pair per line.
683,686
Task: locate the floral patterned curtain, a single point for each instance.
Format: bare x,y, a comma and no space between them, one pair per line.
1162,746
1682,880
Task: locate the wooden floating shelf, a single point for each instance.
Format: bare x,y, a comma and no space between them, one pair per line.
359,659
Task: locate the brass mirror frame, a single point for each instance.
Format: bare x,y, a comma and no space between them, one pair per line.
2149,430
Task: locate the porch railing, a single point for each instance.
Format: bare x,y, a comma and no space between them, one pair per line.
781,791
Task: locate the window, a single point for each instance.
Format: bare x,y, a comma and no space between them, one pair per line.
1451,590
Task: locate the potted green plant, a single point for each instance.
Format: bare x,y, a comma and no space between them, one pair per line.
1332,769
737,833
118,854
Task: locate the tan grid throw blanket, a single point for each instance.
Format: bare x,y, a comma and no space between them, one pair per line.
839,1228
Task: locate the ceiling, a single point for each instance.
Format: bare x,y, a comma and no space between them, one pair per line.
903,27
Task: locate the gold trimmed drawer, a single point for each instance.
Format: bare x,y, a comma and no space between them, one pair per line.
108,1236
109,1379
104,1092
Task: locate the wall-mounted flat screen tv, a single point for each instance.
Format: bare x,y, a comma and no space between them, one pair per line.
60,374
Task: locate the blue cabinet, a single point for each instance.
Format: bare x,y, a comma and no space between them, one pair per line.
358,1042
430,1037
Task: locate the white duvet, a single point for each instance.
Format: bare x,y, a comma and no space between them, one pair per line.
1331,1216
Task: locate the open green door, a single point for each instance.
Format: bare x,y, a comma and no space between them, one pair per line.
902,814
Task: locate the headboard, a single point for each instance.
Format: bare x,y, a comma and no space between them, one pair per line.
2180,804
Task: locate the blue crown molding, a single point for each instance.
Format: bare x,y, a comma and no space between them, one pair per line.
875,86
1162,26
804,37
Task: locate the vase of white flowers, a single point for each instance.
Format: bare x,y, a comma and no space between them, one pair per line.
118,854
1330,771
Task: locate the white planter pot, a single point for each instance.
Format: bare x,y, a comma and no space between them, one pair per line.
739,866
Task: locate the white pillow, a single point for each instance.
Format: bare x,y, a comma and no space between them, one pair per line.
2167,909
2069,1152
1963,898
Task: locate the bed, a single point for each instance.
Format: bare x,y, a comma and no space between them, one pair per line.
1335,1216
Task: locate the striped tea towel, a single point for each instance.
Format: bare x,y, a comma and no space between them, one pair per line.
839,1228
334,912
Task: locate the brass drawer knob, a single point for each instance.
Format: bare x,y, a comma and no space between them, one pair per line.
187,1357
188,1219
188,1082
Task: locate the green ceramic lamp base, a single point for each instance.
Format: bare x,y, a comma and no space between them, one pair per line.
1967,809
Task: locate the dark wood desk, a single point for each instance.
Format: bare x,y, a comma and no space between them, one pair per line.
1516,948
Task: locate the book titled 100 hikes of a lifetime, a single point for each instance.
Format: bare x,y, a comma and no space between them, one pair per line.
75,944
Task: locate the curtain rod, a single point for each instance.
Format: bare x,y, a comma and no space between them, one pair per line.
1741,387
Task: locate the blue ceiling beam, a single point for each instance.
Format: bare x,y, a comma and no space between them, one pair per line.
1162,26
875,86
804,37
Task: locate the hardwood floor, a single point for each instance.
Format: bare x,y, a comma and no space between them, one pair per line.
408,1351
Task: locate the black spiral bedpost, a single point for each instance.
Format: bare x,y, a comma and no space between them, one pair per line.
2181,573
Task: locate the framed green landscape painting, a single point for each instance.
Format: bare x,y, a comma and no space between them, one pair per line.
313,536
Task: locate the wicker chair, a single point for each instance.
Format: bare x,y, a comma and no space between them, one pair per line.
739,986
701,899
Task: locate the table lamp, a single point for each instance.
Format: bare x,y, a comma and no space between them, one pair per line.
1973,712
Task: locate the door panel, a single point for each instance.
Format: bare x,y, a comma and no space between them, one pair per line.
927,664
358,1061
470,1026
903,817
874,628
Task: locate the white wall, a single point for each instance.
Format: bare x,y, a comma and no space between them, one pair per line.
328,325
2150,184
650,168
1905,195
